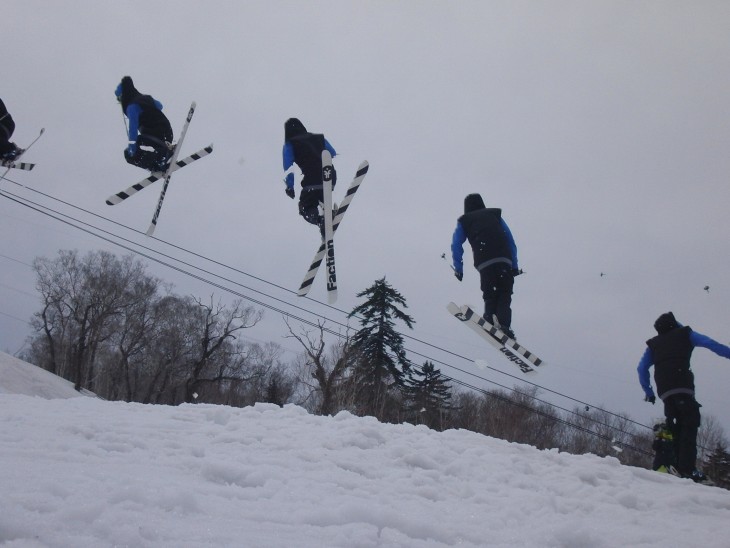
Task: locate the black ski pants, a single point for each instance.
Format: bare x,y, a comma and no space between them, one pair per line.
309,200
151,160
310,197
497,282
683,419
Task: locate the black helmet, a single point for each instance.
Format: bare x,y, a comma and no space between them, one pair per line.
473,202
126,91
293,127
666,322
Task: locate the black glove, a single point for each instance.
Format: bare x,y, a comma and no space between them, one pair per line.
516,272
459,275
290,192
650,399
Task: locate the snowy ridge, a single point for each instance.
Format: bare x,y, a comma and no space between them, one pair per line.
19,377
84,472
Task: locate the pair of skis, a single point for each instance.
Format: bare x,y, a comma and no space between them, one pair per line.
513,351
332,218
173,166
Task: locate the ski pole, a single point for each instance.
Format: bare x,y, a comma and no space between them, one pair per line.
443,256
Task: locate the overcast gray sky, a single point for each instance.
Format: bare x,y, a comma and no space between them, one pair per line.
600,128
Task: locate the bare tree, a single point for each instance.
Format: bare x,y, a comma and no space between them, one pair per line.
217,328
81,300
327,370
131,341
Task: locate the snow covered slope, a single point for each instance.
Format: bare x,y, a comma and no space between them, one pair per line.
84,472
19,377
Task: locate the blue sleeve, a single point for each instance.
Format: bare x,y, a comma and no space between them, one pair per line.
647,360
288,155
511,242
457,248
133,112
698,339
330,148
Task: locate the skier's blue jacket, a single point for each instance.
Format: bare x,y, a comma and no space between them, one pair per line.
457,246
133,112
696,339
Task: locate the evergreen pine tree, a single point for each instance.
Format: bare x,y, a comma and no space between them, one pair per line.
379,347
427,395
718,466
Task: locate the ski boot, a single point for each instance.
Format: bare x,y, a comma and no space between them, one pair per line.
12,154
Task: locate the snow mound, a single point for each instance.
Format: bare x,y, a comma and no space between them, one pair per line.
85,472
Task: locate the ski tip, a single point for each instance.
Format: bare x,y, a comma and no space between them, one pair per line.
363,169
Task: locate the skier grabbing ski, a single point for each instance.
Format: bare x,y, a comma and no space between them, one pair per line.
305,149
495,257
8,150
150,134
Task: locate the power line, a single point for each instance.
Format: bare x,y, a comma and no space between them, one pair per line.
272,284
149,254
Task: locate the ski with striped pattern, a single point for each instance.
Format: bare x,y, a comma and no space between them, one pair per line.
15,164
168,173
156,176
12,164
337,219
496,338
327,172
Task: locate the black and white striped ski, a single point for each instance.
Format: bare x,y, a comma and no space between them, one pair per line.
15,163
156,176
337,219
327,172
496,338
168,173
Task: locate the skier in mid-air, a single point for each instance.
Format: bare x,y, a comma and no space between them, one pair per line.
305,149
8,150
495,257
148,128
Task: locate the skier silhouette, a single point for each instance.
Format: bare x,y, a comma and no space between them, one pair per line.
305,149
148,128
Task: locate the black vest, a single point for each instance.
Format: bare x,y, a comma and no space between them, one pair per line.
6,121
672,352
151,120
483,228
308,149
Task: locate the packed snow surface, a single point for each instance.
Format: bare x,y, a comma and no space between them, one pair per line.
84,472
